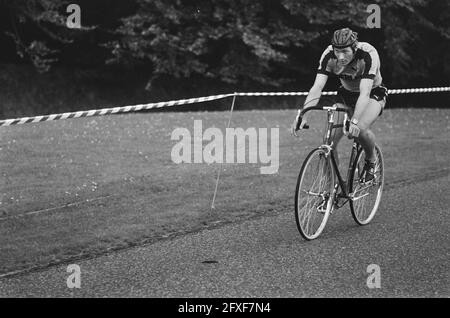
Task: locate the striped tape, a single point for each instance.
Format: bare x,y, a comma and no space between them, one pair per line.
108,111
135,108
418,90
390,91
281,94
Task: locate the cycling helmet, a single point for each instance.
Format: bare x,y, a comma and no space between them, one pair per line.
344,38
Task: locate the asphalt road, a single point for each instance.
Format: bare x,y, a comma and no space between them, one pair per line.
408,239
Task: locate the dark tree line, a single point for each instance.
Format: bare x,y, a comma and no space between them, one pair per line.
274,43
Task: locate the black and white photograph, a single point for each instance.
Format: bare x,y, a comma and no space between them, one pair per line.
224,156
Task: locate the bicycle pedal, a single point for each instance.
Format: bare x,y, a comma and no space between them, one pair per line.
367,183
339,204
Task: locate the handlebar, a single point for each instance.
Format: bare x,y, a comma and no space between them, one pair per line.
328,108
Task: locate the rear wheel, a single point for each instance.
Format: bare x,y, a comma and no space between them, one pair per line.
314,194
366,197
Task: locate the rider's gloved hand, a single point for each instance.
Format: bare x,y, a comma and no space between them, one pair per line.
353,130
299,122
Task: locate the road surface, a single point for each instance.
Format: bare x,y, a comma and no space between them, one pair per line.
266,257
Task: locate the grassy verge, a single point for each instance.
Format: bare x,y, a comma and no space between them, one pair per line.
117,176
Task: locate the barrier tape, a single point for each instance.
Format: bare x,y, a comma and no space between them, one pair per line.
418,90
135,108
108,111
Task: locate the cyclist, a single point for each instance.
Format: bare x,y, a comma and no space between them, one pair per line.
357,66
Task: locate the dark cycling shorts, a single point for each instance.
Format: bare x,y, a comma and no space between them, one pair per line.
379,94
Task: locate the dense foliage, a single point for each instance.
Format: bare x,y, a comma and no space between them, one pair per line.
273,43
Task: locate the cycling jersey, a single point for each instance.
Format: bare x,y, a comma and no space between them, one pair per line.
365,64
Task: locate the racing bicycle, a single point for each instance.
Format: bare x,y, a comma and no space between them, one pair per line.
321,189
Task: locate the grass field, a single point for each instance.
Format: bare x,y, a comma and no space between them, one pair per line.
85,186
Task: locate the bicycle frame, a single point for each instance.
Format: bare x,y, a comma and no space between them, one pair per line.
328,147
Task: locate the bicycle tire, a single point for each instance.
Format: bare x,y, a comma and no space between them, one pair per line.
357,206
325,201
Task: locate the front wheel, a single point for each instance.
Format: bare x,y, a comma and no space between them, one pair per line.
366,197
314,194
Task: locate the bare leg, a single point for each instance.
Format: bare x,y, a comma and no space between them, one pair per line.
366,137
367,140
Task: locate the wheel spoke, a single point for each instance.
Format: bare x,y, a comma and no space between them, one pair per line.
366,197
313,192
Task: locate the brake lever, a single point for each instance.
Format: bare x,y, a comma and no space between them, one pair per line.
306,126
